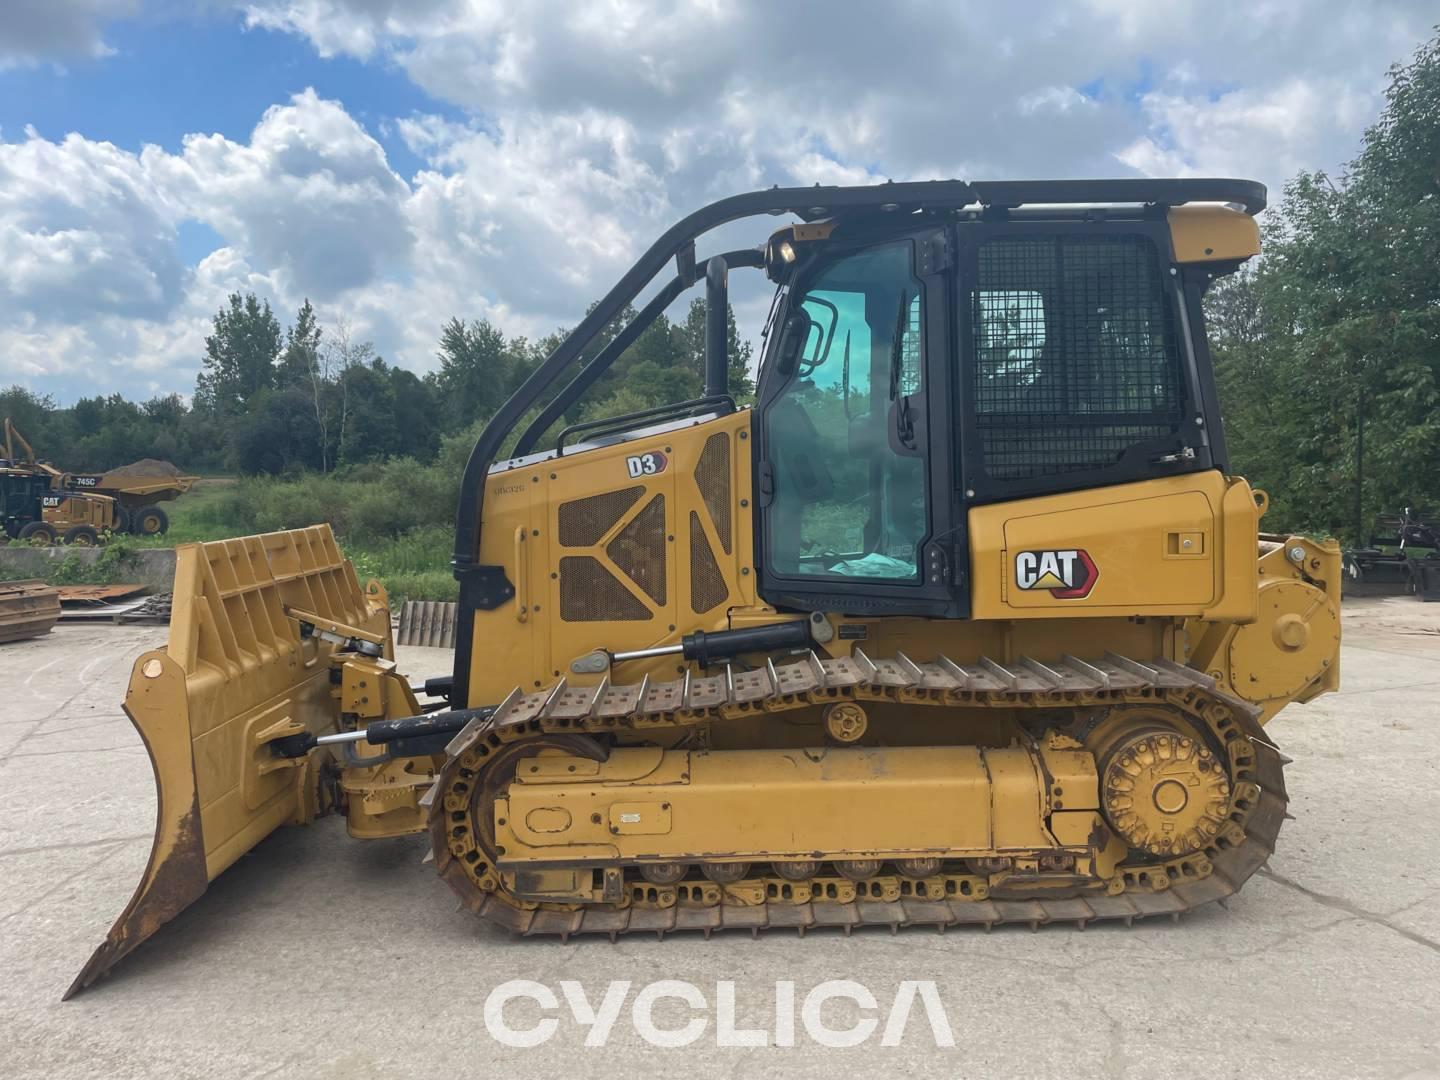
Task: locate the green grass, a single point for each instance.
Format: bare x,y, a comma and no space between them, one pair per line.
381,531
415,566
115,565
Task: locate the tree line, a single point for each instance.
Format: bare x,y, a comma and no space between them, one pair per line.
285,400
1328,347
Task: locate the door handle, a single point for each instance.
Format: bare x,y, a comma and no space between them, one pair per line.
522,595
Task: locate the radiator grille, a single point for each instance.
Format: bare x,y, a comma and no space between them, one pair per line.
590,593
1075,353
712,477
707,584
584,522
639,549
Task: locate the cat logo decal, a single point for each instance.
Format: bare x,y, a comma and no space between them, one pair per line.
1067,573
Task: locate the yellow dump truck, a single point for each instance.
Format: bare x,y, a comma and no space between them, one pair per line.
135,488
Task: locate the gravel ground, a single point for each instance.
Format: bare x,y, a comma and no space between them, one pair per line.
320,956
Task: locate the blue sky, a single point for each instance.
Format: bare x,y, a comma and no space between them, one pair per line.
204,74
402,161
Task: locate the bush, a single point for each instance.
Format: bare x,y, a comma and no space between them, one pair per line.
117,562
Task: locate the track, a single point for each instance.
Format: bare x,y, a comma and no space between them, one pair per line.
1145,888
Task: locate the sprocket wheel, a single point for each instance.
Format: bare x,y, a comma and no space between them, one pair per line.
1165,793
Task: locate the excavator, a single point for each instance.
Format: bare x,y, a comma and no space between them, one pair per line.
963,622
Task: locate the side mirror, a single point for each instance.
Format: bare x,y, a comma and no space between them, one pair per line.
793,337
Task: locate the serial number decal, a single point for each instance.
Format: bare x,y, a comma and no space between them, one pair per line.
1066,573
638,465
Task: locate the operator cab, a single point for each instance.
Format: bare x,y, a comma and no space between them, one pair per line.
921,367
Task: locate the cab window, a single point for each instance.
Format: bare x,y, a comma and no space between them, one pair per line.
849,502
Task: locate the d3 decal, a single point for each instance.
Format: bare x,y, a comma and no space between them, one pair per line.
650,464
1066,573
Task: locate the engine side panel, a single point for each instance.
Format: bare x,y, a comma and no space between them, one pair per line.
621,547
1179,546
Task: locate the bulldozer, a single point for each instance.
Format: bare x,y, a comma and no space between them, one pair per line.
962,622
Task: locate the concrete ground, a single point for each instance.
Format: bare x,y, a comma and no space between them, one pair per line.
320,956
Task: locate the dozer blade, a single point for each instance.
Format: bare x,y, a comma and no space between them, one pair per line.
236,673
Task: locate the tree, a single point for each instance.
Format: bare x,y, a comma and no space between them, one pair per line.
303,364
413,415
345,362
301,357
35,417
1328,353
240,354
739,353
476,369
271,436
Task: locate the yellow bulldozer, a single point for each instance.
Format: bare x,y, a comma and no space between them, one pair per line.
963,622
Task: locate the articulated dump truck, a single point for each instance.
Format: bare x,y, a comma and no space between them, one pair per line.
963,621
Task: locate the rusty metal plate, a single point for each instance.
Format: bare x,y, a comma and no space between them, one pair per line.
96,593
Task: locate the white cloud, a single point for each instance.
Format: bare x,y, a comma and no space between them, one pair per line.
585,130
1301,124
310,195
1055,99
83,229
89,233
34,31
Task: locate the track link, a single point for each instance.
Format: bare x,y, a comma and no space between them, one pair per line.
1257,810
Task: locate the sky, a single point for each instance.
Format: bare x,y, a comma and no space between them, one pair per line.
400,162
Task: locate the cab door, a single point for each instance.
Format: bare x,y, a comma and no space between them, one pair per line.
854,481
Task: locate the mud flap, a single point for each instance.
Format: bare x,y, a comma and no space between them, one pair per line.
236,673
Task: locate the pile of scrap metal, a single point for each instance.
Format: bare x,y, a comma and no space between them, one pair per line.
27,609
1404,559
110,603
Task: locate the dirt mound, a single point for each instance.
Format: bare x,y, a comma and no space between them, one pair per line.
146,467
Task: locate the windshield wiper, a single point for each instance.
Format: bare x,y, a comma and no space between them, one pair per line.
897,345
904,425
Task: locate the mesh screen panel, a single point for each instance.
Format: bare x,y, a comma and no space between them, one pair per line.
590,593
584,522
712,477
639,549
1075,353
707,584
